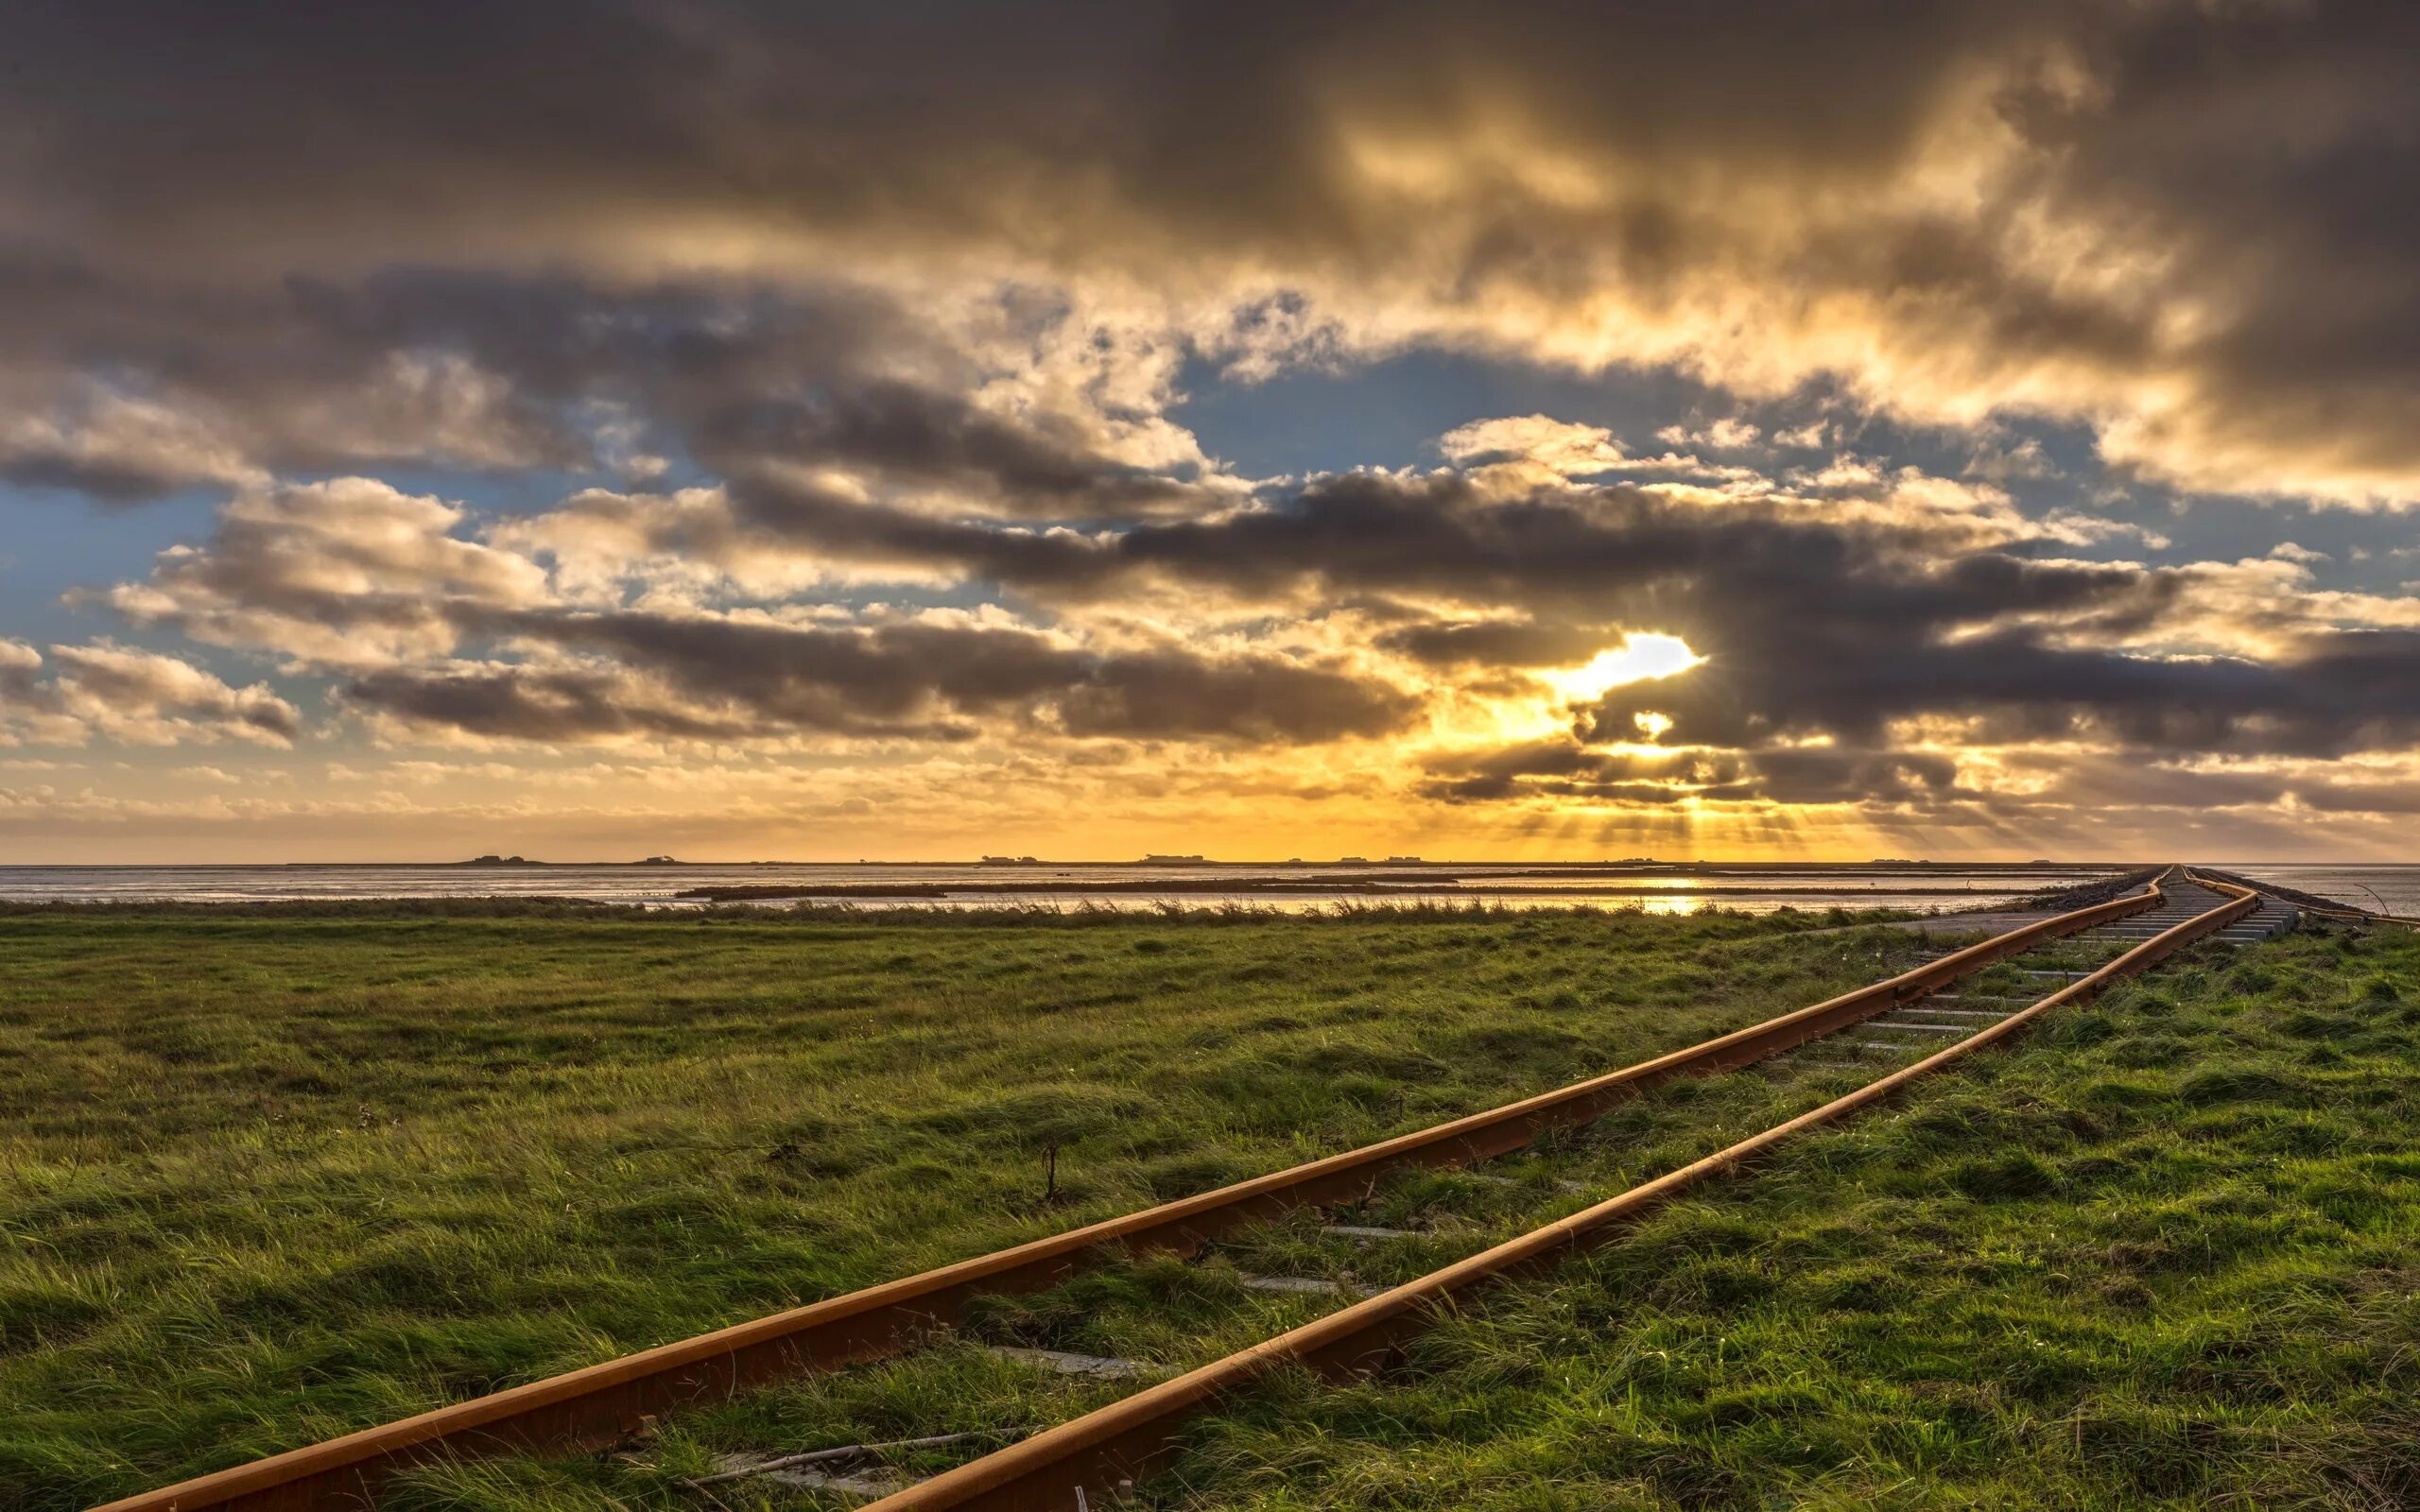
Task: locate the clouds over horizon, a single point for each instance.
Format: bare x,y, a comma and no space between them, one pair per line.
1901,651
2179,224
735,384
140,697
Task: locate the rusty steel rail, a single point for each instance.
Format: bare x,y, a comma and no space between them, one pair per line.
1117,1445
603,1404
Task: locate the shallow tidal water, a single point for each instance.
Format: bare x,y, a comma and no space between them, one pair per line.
1661,889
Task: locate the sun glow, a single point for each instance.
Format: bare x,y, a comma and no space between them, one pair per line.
1641,655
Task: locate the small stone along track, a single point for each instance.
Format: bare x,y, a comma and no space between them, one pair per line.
1320,1307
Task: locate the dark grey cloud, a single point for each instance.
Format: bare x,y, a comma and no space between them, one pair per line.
1811,626
827,373
103,479
822,523
1552,552
177,173
1218,121
700,677
2335,693
847,263
2092,782
505,371
1168,693
546,704
1921,793
915,436
1565,768
1482,643
1815,624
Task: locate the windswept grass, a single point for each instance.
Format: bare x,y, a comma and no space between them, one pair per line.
2162,1256
2158,1255
271,1176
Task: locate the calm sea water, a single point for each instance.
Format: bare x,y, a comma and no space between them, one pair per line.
2387,889
1663,890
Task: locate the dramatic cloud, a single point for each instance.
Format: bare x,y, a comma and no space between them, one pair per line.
137,696
338,573
356,575
2171,221
1975,406
730,680
1813,620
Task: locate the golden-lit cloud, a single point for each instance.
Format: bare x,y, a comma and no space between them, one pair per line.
776,397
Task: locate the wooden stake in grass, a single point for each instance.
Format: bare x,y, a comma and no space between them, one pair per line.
1051,1174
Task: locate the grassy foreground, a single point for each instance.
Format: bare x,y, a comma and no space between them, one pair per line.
2162,1254
2157,1255
268,1176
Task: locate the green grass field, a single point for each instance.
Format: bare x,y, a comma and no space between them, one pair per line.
265,1177
274,1178
2162,1254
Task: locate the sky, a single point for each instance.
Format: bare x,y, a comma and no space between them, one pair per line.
745,431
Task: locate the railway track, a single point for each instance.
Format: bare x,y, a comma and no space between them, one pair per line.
1337,1297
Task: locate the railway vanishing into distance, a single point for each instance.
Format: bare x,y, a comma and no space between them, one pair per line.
1878,1039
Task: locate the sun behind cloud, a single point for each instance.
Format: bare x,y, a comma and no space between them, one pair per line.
1642,655
761,432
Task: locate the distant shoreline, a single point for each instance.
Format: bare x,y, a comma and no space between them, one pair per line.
1384,886
1427,868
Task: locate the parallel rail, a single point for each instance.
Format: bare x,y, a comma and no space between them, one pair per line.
1124,1441
604,1404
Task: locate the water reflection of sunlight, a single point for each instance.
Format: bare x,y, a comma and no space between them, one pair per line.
1673,903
